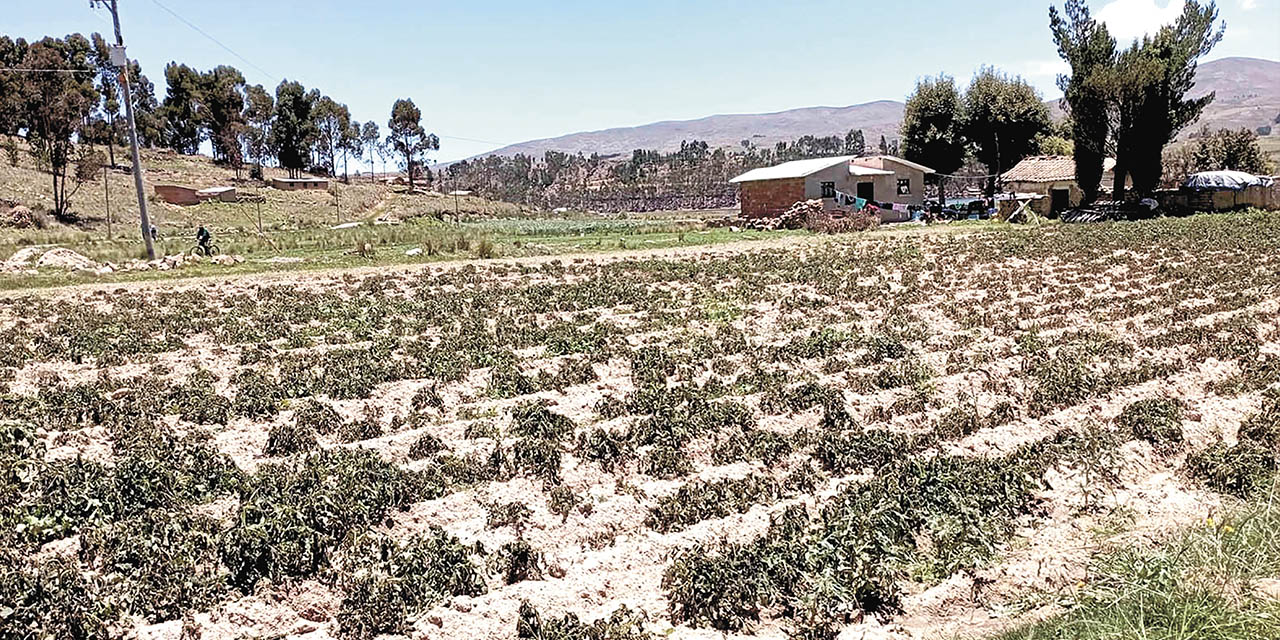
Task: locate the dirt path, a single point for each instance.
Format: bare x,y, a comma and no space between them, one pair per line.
327,274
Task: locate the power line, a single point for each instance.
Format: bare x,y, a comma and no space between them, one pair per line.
276,77
213,39
24,70
502,144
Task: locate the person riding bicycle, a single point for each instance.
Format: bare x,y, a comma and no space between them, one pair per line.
204,238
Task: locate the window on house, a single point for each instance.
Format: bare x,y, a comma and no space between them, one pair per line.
904,186
828,190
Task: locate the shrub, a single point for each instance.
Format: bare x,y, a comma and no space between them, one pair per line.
366,428
1157,420
666,463
622,624
426,445
563,501
292,513
258,395
1238,471
518,561
700,500
511,514
906,372
197,402
535,420
538,458
386,582
610,450
161,564
318,417
289,438
53,599
752,444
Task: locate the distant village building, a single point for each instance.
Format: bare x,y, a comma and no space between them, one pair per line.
180,195
770,191
299,184
1053,178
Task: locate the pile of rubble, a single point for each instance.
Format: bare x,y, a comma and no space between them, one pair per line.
30,260
16,216
797,217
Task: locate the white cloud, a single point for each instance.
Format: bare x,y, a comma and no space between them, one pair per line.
1131,19
1248,4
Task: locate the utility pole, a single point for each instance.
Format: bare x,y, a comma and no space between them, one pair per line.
106,190
121,60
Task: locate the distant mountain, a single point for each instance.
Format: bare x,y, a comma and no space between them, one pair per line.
764,129
1248,95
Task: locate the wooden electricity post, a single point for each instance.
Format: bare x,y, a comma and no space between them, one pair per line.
106,192
121,60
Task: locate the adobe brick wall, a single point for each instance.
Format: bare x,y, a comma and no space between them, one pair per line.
770,197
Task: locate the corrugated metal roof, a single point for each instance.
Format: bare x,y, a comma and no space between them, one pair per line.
859,170
803,168
1048,169
902,161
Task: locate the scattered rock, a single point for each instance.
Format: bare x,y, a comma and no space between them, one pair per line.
24,257
62,258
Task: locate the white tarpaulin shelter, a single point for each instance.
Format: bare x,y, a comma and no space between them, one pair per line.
1230,180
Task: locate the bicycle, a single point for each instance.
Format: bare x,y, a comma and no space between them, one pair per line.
205,250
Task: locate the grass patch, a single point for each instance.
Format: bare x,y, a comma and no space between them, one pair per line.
1203,585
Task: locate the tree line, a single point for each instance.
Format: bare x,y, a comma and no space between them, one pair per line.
1126,104
62,95
1129,103
696,173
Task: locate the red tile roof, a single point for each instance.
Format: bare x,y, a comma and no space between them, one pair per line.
1042,169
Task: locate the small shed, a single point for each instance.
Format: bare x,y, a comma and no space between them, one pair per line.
221,194
300,184
1055,178
176,194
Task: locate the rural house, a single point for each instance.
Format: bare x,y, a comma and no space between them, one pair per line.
771,191
1054,178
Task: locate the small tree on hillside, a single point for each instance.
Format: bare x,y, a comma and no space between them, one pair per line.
370,137
932,132
332,120
293,131
408,139
259,111
352,146
180,110
53,106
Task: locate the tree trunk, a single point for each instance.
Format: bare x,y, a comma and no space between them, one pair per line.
1118,188
111,140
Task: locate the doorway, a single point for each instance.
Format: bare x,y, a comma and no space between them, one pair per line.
1060,200
867,191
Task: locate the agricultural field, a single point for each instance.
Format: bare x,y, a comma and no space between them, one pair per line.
379,225
913,435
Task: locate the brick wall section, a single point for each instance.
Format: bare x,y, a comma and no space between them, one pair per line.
770,197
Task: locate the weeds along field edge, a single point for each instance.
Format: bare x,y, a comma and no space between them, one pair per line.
792,441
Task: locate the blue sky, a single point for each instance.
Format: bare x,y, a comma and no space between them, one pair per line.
504,71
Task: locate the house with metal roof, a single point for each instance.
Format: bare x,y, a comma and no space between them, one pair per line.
770,191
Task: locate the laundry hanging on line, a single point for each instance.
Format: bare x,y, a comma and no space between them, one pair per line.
844,200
